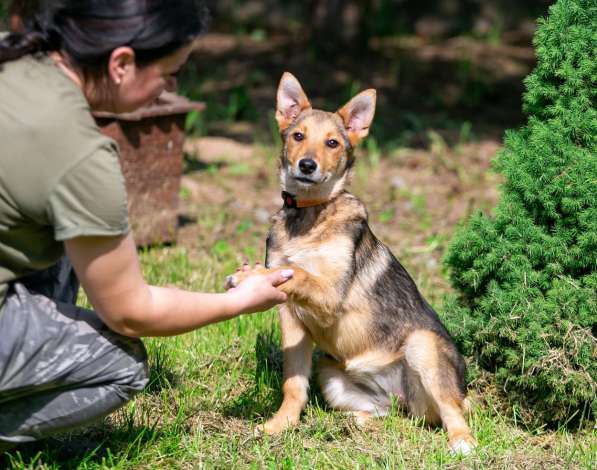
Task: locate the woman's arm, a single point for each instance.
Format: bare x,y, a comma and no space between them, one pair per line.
109,271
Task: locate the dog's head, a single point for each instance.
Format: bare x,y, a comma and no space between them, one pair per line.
319,146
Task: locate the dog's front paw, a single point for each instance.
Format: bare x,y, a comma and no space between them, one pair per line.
242,273
235,279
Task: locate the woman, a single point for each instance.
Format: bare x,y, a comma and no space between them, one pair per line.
62,191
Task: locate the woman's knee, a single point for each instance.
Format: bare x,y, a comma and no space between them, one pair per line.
134,374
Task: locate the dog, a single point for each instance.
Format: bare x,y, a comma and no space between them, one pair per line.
349,294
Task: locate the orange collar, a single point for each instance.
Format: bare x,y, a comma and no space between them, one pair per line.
291,201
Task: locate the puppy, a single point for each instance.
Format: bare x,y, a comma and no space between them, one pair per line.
349,294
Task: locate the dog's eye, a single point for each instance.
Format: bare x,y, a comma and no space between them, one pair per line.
298,136
332,143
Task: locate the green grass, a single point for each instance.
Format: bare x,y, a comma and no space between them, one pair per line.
210,388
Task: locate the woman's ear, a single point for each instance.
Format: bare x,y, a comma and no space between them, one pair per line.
291,101
357,115
122,62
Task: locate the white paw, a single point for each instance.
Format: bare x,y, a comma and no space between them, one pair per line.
461,447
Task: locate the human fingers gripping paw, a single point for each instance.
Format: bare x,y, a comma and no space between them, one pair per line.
275,277
266,299
280,277
243,273
257,293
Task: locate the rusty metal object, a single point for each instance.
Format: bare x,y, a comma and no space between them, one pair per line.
151,150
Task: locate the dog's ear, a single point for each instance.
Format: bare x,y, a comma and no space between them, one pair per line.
357,115
291,101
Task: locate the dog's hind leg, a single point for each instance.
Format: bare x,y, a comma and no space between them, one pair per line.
342,392
297,348
432,387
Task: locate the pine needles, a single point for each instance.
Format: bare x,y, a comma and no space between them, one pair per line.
527,275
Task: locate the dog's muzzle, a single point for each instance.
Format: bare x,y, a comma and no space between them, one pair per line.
307,166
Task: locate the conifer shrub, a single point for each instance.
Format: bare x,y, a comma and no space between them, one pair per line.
525,277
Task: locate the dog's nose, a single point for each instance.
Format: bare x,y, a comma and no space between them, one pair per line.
307,166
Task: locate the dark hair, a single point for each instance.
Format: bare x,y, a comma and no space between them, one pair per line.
89,30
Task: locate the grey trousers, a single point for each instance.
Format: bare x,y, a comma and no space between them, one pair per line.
60,366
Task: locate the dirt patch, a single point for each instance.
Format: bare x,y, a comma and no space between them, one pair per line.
218,150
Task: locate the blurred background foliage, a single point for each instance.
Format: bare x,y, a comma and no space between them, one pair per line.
447,65
338,23
441,64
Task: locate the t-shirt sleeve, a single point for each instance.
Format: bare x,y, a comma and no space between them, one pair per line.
90,199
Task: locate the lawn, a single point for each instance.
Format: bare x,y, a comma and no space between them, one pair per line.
209,389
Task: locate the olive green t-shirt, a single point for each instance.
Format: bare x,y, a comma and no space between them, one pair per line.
60,178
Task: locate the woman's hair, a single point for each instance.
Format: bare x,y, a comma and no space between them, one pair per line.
89,30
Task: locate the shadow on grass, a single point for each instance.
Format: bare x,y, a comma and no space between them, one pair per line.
102,444
161,371
266,396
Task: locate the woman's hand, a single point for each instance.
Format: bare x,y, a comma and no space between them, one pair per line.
109,271
257,290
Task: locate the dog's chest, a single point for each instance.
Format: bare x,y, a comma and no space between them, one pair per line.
316,260
344,337
329,257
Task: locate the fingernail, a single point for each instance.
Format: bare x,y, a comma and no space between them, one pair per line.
287,273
